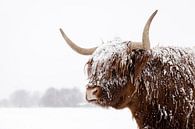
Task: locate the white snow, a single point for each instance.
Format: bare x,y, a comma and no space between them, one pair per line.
105,60
65,118
105,50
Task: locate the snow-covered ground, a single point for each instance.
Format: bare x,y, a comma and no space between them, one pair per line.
65,118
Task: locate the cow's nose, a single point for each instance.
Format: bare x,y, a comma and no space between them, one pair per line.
92,94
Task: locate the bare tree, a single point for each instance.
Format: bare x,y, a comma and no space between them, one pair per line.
20,98
61,98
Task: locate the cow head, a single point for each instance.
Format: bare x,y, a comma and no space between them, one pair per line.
108,69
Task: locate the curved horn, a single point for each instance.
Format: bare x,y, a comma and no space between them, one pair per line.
80,50
145,36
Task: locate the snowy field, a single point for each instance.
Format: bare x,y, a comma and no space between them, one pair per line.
65,118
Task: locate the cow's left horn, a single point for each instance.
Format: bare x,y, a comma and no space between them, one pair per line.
145,36
80,50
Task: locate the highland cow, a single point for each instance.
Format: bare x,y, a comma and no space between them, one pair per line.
157,85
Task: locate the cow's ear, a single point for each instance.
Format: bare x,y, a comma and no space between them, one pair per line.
131,46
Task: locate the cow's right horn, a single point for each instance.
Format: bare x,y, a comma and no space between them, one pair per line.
80,50
145,36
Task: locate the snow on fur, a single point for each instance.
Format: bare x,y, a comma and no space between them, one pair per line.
164,87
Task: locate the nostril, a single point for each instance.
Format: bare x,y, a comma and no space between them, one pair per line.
93,93
96,91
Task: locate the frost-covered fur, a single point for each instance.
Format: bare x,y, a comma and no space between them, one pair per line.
165,90
157,85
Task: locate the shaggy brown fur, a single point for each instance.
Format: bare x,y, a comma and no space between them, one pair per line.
157,85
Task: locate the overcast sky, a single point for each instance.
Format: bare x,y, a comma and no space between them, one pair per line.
34,56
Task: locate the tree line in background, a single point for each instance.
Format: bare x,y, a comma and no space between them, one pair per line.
52,97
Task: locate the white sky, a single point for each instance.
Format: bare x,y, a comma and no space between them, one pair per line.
34,56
